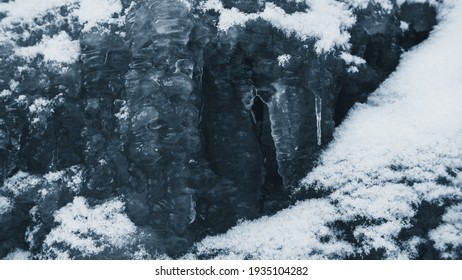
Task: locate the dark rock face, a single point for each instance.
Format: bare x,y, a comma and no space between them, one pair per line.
194,128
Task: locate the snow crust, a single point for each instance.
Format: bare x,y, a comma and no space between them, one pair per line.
390,155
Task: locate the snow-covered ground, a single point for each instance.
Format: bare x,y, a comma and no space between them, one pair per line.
401,150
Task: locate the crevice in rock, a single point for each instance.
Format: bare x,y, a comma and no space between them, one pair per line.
273,195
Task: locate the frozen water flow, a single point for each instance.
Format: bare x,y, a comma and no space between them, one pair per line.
318,106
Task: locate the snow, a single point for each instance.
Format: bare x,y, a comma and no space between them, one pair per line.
362,4
57,48
284,59
92,12
404,26
39,105
123,113
54,176
20,10
352,59
60,48
326,20
70,177
5,205
21,182
390,155
287,235
5,93
89,230
448,236
18,254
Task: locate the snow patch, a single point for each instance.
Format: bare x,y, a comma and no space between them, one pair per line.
352,59
27,10
362,4
5,205
448,236
92,13
123,113
326,21
5,93
18,254
89,230
40,104
21,182
294,233
404,26
284,59
60,48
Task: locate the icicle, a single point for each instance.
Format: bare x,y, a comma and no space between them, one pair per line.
318,107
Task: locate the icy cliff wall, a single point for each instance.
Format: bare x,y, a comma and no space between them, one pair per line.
175,118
